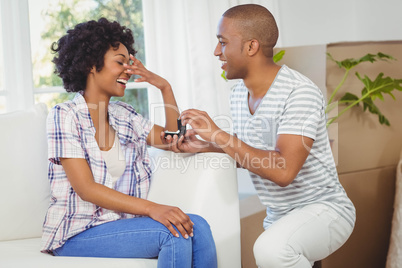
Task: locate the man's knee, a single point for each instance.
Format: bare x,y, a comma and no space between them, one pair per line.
270,252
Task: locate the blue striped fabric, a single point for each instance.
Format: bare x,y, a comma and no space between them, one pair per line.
71,134
293,105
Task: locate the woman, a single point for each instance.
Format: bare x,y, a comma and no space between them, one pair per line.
99,166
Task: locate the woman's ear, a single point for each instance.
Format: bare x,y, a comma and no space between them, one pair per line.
93,70
253,47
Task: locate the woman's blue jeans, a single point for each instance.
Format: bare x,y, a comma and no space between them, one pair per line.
145,238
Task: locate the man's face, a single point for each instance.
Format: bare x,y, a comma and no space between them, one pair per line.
230,51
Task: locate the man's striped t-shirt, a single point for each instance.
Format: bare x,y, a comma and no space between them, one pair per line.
292,105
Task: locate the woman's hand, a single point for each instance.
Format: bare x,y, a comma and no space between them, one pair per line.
170,217
188,143
137,68
171,109
169,142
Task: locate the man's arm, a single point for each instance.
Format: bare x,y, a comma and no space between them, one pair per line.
279,166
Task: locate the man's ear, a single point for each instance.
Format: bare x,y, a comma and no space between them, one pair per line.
252,47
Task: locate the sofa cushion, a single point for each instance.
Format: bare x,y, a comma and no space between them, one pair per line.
24,191
25,253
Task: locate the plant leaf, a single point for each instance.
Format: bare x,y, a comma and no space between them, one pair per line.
385,57
223,75
375,89
278,56
380,85
349,97
372,90
332,59
377,95
368,57
372,108
350,63
366,80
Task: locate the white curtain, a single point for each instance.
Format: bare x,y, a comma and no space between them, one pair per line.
180,39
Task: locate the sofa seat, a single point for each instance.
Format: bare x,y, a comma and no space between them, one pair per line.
203,184
25,253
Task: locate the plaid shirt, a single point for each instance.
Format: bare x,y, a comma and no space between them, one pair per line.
71,134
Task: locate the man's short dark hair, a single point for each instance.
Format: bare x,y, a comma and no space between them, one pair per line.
255,22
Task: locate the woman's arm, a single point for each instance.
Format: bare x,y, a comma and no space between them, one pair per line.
81,179
155,137
171,109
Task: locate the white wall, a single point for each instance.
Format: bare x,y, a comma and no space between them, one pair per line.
311,22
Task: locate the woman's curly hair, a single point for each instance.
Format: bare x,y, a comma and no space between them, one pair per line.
85,46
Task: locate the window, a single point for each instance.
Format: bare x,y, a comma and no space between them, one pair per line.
49,20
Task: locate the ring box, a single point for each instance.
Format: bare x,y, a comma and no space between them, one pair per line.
181,130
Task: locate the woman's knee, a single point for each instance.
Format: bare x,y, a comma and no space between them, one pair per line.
200,225
180,243
198,220
202,231
203,242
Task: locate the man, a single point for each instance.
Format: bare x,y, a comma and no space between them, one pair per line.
281,138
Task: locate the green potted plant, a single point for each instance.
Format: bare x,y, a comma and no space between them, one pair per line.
372,90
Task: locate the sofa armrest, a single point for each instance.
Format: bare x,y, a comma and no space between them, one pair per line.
24,191
203,184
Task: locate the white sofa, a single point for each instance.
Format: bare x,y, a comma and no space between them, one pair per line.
203,184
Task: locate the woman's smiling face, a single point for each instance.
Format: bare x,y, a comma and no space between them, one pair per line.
111,80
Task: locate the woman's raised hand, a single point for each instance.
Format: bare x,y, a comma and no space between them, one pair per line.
137,68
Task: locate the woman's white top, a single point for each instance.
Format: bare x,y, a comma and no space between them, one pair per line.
115,160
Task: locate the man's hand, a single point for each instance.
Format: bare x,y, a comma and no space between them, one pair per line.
201,124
